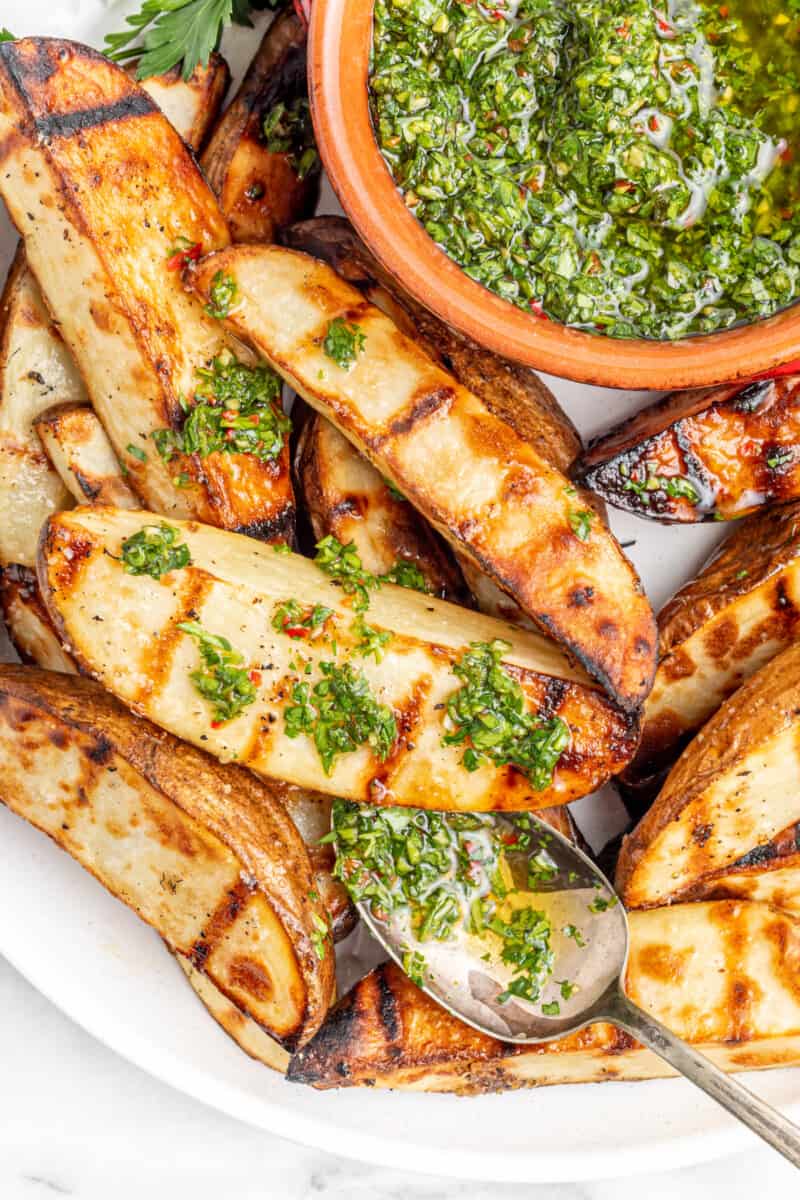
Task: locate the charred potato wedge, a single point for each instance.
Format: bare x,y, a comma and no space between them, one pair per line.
739,612
345,496
123,630
513,393
702,456
192,106
35,370
203,853
259,186
105,259
248,1035
744,1014
732,790
77,446
769,873
27,622
468,473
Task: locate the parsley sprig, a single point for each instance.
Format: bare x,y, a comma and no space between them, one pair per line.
167,32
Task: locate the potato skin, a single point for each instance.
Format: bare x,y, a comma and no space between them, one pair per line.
746,1015
732,790
259,190
740,611
735,445
46,714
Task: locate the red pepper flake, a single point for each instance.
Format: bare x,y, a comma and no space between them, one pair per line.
623,31
229,435
510,839
254,418
724,11
230,414
653,123
497,14
296,631
536,308
303,10
787,154
254,677
623,185
180,258
665,27
217,724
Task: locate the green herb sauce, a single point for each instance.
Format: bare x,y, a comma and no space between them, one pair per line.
343,342
152,551
222,680
235,410
340,714
615,165
288,130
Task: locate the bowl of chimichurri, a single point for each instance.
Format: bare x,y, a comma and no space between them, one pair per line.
605,189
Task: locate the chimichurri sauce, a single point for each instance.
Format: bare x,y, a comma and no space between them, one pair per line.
616,165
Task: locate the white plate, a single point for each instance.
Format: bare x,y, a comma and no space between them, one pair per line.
95,960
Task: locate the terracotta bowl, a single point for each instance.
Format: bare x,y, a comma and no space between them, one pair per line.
339,50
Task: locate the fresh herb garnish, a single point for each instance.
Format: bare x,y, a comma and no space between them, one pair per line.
281,548
600,904
677,487
299,621
780,458
553,1009
407,574
567,989
182,253
222,295
136,452
526,946
415,967
343,564
177,31
236,410
394,492
222,680
343,343
370,642
152,551
487,715
572,931
288,130
6,35
319,936
581,524
341,714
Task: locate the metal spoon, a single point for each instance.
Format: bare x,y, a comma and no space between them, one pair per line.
592,955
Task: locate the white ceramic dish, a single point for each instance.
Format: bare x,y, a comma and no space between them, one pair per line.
94,959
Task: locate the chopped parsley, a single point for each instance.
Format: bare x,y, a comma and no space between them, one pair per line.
407,574
370,642
780,458
526,946
152,551
394,492
572,931
319,935
415,967
601,904
677,487
136,452
299,621
222,680
553,1009
236,410
581,524
222,295
487,716
340,714
288,130
343,343
343,564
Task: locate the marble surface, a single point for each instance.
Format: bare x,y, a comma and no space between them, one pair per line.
76,1120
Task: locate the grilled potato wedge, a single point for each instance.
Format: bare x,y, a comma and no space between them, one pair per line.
192,106
203,853
769,873
247,1034
35,370
101,195
261,189
27,623
723,976
739,612
77,446
732,790
122,629
311,813
345,496
705,455
513,393
469,473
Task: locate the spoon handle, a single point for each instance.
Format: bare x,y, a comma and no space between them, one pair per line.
764,1120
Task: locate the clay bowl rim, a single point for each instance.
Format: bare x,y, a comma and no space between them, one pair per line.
338,75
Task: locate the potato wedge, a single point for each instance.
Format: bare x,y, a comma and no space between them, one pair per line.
203,853
733,789
27,623
741,610
768,873
35,370
470,474
704,455
102,196
345,496
261,189
514,394
192,106
248,1035
77,446
723,976
123,630
311,813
